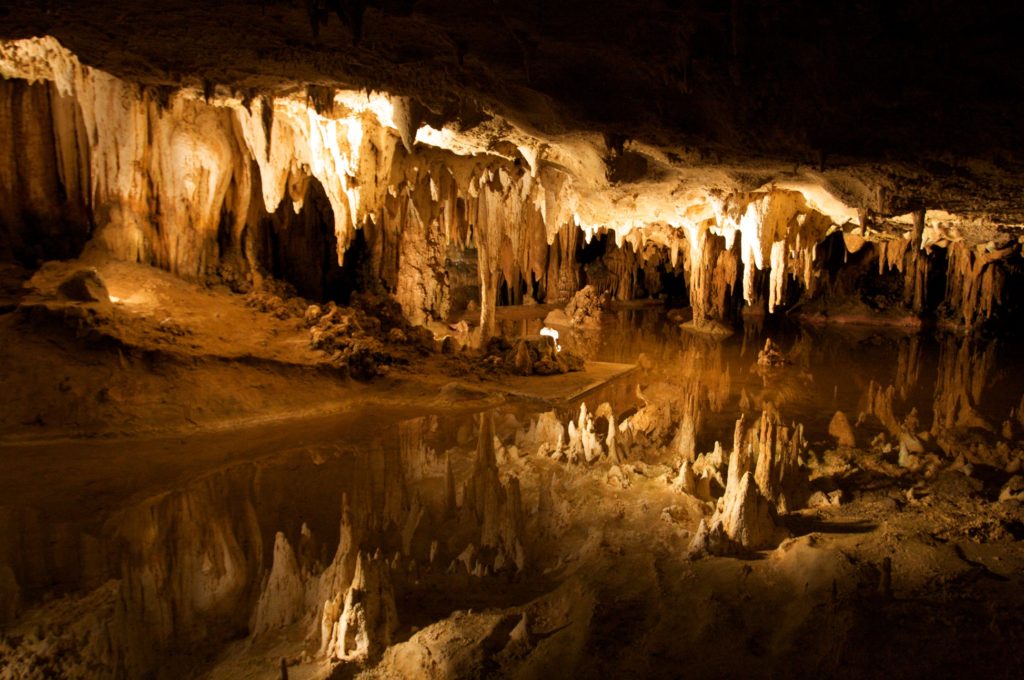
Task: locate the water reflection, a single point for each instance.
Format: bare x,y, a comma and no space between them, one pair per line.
438,513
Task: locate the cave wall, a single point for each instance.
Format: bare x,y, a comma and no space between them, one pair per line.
44,173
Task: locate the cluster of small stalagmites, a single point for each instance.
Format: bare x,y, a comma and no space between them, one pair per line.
764,479
368,620
350,604
581,441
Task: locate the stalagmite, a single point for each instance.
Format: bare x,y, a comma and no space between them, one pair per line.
765,479
747,515
369,620
685,441
778,473
839,427
283,598
335,581
685,480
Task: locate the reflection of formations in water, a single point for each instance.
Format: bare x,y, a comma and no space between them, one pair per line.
350,549
189,569
908,365
878,402
39,556
189,559
164,575
965,368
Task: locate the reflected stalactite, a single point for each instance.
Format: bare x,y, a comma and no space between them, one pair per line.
965,369
878,402
908,365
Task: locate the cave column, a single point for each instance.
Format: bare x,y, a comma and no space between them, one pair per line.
488,299
915,277
702,258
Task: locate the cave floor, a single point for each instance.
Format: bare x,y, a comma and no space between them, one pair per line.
158,554
168,356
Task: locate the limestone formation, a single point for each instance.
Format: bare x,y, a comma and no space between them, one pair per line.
765,479
220,168
283,599
369,620
839,427
211,218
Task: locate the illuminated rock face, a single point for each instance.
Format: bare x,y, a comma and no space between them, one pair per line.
189,181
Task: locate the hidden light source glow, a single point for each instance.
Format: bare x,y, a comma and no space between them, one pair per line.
553,334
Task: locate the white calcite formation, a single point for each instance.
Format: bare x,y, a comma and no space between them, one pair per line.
578,441
764,480
186,180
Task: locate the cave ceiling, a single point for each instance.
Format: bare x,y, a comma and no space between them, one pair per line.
889,107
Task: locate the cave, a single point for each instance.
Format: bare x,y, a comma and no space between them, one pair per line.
433,339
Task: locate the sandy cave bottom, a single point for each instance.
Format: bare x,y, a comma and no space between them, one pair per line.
533,539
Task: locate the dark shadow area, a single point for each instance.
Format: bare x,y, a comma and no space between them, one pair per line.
301,248
800,525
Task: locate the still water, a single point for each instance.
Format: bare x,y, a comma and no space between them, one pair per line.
151,555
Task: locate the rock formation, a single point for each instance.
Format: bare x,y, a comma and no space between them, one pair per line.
220,166
368,621
283,599
765,479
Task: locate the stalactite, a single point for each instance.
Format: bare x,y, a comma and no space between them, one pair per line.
171,178
974,281
712,273
915,268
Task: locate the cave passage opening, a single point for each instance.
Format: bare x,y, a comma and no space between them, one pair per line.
626,273
301,249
